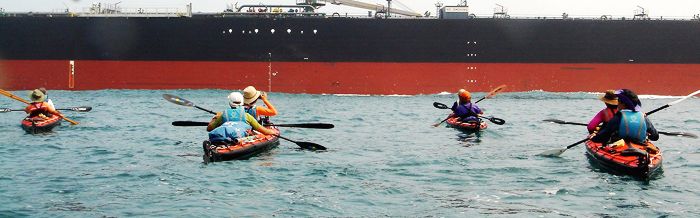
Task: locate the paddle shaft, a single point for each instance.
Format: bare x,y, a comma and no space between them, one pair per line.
660,132
298,125
204,109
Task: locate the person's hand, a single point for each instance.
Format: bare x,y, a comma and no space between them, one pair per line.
591,135
263,95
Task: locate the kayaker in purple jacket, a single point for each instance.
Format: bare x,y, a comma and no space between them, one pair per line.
465,109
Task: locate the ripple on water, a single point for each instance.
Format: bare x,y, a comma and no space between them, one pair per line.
384,159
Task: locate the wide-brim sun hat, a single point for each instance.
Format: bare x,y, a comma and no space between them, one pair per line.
609,97
37,96
250,94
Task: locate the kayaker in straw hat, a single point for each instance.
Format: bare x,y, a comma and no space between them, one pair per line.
606,114
48,100
234,123
465,109
629,123
251,96
38,108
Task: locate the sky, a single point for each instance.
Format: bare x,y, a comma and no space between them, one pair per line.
517,8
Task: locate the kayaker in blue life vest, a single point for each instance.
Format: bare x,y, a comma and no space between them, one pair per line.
465,109
605,115
234,123
629,123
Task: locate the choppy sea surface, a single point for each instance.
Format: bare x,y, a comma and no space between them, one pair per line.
384,159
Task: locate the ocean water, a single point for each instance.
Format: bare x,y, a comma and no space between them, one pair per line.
384,159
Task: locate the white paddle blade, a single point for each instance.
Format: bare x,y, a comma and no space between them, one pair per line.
553,152
686,97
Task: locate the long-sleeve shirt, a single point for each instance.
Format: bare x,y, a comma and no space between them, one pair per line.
268,110
610,131
603,116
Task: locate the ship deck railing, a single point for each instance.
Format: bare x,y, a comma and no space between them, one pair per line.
472,16
176,13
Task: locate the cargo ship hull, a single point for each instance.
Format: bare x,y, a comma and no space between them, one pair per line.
349,56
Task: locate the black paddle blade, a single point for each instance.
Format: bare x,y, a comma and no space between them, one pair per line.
311,146
439,105
684,134
306,125
189,123
5,110
177,100
554,121
497,121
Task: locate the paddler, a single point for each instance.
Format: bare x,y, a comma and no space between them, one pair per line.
39,109
629,123
234,123
605,115
251,96
465,109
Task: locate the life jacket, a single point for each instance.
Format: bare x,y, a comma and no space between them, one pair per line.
37,108
471,115
252,110
633,126
608,114
234,126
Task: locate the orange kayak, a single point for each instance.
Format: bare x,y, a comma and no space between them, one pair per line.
40,125
456,123
244,149
643,161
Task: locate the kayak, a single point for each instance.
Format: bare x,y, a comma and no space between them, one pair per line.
643,161
456,123
40,125
245,148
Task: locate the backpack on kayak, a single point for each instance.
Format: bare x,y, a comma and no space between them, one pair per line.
234,127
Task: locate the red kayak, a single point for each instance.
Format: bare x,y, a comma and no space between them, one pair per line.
244,149
40,125
456,123
642,161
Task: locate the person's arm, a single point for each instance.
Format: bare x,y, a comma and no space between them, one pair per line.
50,104
215,122
53,111
651,131
268,110
256,126
477,110
604,134
595,121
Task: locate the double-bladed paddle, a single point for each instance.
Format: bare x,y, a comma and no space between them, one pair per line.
684,134
559,151
12,96
491,94
298,125
497,121
184,102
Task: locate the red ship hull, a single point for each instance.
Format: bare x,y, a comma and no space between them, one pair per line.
376,78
